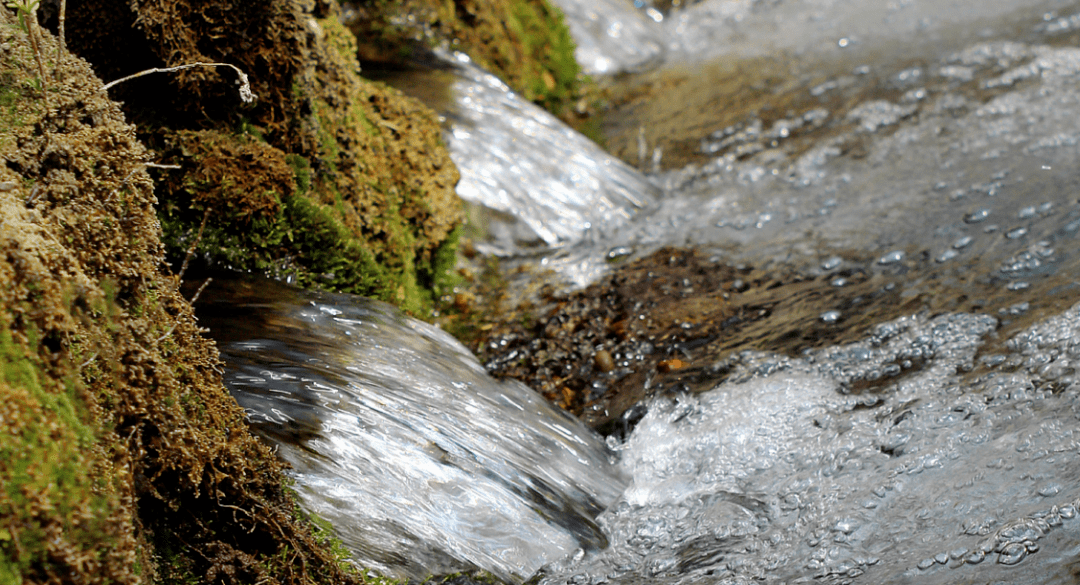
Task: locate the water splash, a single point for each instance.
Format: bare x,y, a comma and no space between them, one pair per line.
875,461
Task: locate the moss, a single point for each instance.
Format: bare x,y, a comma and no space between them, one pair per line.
524,42
442,277
123,459
357,162
53,510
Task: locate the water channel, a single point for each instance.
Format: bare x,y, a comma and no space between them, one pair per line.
923,154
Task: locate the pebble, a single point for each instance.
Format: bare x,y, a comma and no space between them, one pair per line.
604,361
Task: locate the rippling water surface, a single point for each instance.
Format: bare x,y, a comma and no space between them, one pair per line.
934,143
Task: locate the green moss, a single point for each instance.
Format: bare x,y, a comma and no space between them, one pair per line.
441,276
173,567
301,172
51,498
524,42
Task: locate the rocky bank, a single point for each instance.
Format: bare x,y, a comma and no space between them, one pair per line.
123,459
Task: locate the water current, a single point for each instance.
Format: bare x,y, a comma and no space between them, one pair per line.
933,143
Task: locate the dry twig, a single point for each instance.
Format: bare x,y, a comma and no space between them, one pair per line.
246,94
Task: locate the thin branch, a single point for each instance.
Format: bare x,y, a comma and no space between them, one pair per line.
177,322
63,46
246,94
89,361
199,292
33,32
160,166
191,250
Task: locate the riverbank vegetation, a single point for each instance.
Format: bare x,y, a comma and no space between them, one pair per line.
123,459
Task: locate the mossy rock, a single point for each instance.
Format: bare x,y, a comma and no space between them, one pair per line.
369,207
123,459
526,43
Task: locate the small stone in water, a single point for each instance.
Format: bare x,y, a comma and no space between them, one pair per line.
666,366
603,361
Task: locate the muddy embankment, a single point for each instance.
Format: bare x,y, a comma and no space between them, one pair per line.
122,458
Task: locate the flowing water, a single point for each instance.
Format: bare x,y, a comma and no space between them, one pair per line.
396,436
933,144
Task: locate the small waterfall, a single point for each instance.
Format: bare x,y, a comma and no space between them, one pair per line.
396,436
518,159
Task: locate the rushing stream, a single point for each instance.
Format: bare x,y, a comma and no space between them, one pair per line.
932,144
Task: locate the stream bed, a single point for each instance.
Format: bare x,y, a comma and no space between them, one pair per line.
875,373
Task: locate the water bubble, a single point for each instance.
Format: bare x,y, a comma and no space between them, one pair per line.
977,216
1050,490
946,256
1018,285
1016,233
832,263
891,258
975,557
914,95
830,316
962,242
1015,310
847,526
1026,212
1012,553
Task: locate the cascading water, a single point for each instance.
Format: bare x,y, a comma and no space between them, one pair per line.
930,451
395,434
526,163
